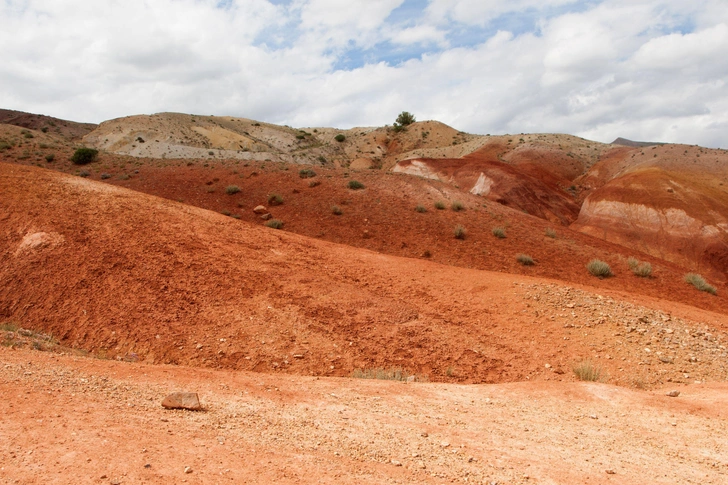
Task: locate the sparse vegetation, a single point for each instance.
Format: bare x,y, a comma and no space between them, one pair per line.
274,223
642,269
420,208
440,205
275,199
105,176
460,232
50,157
84,156
336,210
599,268
5,145
499,232
340,138
525,259
84,173
355,185
232,189
393,374
699,282
551,233
457,206
306,173
587,371
314,183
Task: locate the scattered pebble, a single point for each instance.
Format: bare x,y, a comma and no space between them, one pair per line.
673,393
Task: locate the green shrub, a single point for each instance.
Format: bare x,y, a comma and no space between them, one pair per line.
84,156
5,145
275,199
599,268
306,173
420,209
340,138
439,205
460,232
314,183
525,259
550,233
50,157
274,223
699,282
84,173
232,189
499,232
336,210
642,269
28,134
355,185
457,206
587,371
105,176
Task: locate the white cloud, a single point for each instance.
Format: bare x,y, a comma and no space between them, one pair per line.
643,69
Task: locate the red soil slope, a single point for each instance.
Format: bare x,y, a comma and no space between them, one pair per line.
66,129
123,274
670,201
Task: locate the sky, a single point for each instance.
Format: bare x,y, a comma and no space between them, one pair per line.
651,70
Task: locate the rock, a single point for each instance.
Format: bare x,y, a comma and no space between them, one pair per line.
611,472
266,216
182,400
188,469
445,444
411,379
424,435
673,394
395,462
260,210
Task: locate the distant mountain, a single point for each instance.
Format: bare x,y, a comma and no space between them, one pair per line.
67,129
635,144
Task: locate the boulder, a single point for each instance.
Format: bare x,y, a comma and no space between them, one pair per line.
182,400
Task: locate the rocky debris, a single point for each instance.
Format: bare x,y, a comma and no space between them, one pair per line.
188,469
673,394
260,210
266,216
182,400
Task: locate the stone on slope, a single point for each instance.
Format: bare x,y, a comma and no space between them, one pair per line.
182,400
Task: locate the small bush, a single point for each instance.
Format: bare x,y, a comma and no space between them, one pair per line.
420,209
460,232
551,233
599,268
124,176
225,212
50,157
28,134
340,138
5,145
232,189
457,206
211,153
84,156
355,185
275,199
336,210
274,223
84,173
499,232
105,176
439,205
640,268
314,183
394,374
587,371
699,282
525,259
306,173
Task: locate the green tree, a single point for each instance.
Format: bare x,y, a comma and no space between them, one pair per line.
405,118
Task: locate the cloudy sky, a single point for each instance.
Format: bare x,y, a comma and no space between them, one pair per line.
644,69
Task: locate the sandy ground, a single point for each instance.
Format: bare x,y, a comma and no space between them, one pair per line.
79,420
